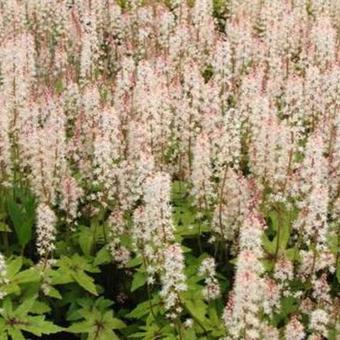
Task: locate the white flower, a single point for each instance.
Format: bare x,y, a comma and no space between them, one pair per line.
212,289
46,231
319,321
241,315
173,278
202,172
188,323
294,330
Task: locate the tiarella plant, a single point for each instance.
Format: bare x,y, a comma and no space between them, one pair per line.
169,169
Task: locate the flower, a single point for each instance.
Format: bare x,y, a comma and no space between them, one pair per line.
71,194
294,330
233,205
188,323
312,222
241,315
202,172
173,280
212,288
46,232
153,229
318,322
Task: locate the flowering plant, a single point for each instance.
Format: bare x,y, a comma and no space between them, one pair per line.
169,169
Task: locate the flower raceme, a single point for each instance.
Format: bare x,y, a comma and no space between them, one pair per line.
195,144
173,280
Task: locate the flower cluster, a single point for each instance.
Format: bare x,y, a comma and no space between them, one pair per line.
241,315
207,269
3,275
46,230
173,280
167,132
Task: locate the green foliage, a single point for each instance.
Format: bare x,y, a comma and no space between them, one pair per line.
74,270
96,320
21,211
139,280
84,272
15,320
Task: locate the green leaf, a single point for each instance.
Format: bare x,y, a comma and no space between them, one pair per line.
18,220
197,308
332,334
212,312
15,333
13,267
11,288
104,334
40,308
86,241
269,246
61,276
135,262
26,306
112,322
22,216
289,305
28,275
284,233
3,335
292,254
189,334
141,310
103,257
59,86
5,228
7,306
85,281
38,326
80,327
54,293
274,218
139,280
268,265
103,304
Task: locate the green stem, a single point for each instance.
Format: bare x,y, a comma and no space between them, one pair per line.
179,326
148,289
94,239
6,243
278,235
337,247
